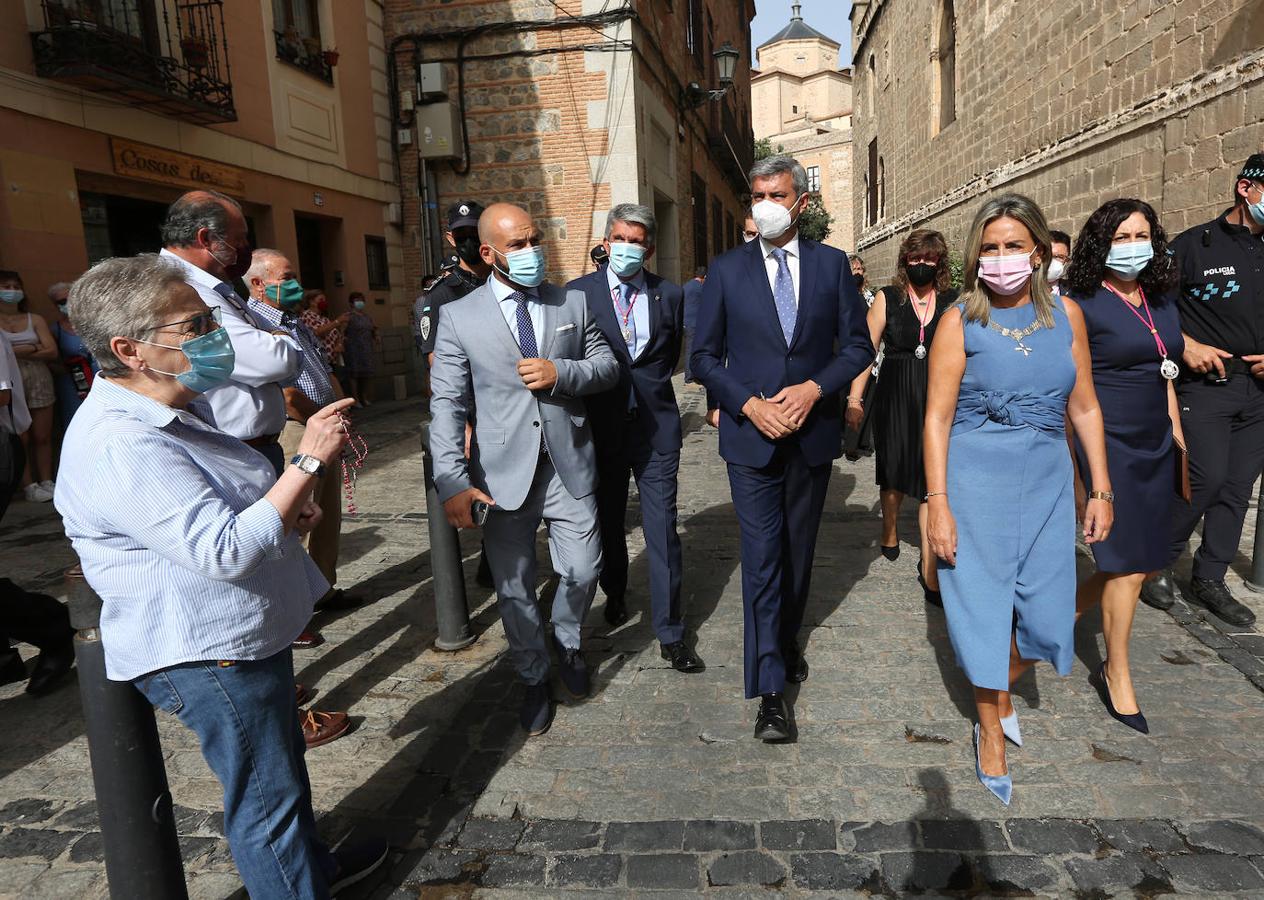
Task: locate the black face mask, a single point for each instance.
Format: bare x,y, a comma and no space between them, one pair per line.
242,264
921,274
467,250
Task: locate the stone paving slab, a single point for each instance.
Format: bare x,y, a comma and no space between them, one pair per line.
653,785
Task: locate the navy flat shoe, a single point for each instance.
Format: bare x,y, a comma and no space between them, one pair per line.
1136,721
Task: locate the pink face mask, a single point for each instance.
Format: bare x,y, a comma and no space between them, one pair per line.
1006,275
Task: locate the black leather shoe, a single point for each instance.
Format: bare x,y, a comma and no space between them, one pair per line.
682,658
796,664
1159,591
51,666
12,669
616,611
1212,595
573,671
536,714
933,597
891,553
773,721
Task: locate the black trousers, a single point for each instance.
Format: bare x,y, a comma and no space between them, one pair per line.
1224,431
35,619
12,464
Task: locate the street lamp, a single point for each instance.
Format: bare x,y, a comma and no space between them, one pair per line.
726,58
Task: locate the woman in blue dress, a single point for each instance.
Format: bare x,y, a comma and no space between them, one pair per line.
1122,277
1008,365
79,368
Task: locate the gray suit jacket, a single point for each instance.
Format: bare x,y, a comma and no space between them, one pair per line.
475,376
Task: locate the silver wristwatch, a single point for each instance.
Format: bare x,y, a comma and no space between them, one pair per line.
308,465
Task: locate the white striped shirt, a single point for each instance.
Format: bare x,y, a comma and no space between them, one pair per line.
168,518
251,405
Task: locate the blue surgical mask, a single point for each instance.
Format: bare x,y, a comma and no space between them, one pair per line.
1257,209
211,361
288,293
1128,260
526,266
11,296
358,304
626,259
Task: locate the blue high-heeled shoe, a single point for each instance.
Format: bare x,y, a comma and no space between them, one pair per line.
1136,721
1000,785
1009,725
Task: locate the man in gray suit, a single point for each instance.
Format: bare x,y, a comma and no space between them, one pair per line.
516,356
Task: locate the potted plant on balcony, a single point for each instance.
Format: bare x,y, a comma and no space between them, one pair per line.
330,56
312,46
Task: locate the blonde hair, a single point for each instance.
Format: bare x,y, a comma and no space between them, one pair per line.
974,296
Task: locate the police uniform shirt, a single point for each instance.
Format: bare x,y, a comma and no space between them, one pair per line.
1222,286
452,284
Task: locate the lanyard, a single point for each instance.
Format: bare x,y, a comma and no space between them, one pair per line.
627,314
920,352
1167,368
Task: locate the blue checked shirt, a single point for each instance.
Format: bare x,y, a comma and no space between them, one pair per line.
167,516
313,378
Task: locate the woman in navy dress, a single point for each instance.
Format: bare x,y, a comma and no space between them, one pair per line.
1122,277
1009,365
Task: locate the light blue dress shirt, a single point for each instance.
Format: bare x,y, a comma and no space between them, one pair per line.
639,321
167,516
509,309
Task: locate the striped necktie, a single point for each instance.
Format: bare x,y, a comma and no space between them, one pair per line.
526,333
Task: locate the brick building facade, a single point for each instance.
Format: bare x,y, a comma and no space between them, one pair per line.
1072,104
801,102
109,111
568,108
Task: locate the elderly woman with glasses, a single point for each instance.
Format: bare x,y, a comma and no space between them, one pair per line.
193,544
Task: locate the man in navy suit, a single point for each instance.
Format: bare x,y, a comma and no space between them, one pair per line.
636,424
781,331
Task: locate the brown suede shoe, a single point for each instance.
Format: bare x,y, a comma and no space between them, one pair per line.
322,727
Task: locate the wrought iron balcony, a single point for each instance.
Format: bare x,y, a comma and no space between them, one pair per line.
734,147
305,54
168,56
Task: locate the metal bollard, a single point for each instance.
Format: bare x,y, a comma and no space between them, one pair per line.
138,828
1256,581
452,612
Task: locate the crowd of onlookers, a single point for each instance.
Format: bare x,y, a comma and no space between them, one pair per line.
55,370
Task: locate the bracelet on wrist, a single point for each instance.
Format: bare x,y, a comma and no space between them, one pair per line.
1108,496
930,494
857,401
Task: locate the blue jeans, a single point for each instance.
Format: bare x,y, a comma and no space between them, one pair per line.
247,723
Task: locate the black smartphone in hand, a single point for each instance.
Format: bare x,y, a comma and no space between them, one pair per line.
478,512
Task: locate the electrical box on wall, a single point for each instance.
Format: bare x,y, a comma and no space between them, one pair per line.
403,137
432,82
438,131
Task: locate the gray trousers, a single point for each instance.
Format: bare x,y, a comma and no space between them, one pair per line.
575,549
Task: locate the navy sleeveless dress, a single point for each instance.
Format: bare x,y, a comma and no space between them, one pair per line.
1011,492
1139,451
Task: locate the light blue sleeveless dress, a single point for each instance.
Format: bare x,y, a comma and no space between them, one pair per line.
1011,492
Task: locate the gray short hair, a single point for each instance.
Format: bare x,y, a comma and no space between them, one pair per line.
775,165
121,297
259,262
56,288
634,214
194,211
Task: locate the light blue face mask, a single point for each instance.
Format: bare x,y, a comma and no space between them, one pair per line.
11,296
211,361
1130,259
1256,209
526,266
626,259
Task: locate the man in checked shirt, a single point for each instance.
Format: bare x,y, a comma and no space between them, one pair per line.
275,297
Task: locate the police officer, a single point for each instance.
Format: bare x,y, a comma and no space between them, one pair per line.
1220,391
460,273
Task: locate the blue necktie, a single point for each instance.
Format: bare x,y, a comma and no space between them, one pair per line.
526,333
783,295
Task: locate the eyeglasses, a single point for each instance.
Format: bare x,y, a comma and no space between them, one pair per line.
202,323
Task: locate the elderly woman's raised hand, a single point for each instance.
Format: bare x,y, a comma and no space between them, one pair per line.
325,435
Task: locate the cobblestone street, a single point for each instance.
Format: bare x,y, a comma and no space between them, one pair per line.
654,783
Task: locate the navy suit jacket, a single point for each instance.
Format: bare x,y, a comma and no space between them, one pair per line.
648,377
739,350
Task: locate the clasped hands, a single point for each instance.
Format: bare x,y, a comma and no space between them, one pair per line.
783,413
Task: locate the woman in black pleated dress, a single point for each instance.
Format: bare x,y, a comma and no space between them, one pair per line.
903,318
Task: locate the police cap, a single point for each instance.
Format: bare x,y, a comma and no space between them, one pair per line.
464,215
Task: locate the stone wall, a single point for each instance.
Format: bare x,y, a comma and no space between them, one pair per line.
1074,104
